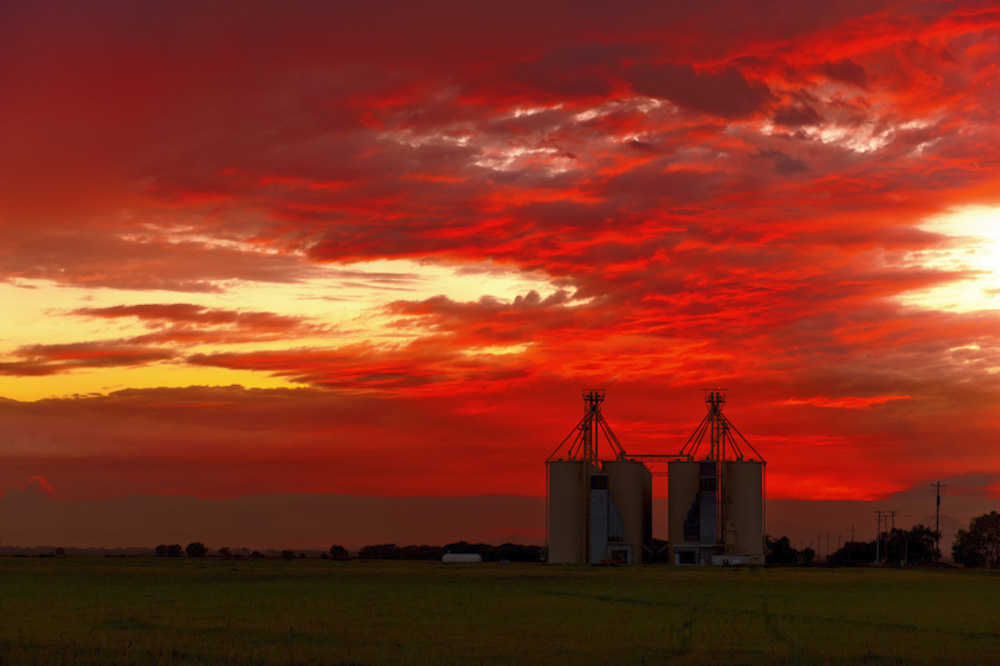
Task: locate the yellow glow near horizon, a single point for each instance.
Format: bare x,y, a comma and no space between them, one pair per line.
974,246
89,381
347,303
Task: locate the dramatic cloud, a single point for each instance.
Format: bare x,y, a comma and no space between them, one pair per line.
412,233
52,359
725,93
193,324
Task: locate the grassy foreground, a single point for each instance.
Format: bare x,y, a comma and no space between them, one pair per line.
159,611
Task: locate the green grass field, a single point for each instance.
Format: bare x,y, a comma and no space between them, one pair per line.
160,611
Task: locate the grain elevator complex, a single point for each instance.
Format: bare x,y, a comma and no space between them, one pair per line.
599,497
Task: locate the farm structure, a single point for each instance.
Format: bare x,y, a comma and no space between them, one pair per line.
599,507
716,503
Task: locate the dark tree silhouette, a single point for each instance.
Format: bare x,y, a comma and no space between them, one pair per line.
174,550
196,549
510,552
853,553
339,553
979,546
513,552
161,550
382,551
914,547
225,552
782,553
421,552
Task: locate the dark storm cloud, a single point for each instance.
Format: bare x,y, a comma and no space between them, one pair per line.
797,116
725,93
846,71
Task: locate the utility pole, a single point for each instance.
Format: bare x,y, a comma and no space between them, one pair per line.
878,536
886,516
937,521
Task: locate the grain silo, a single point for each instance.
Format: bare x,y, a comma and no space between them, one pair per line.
716,502
599,508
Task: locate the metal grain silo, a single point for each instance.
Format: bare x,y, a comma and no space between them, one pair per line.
569,488
744,507
717,501
684,511
599,502
630,484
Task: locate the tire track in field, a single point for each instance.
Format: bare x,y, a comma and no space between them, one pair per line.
795,617
772,626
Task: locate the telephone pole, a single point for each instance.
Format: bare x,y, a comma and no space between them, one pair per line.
937,521
878,536
883,516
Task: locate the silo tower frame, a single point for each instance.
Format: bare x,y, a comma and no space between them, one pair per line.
716,500
720,433
584,440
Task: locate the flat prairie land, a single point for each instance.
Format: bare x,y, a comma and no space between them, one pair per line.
217,611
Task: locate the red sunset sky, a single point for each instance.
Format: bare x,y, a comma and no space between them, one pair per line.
377,249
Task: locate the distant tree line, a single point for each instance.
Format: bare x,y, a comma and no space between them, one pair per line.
978,546
913,547
510,552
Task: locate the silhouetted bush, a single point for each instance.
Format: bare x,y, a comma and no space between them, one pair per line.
288,554
174,550
339,553
196,549
853,553
782,553
256,555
